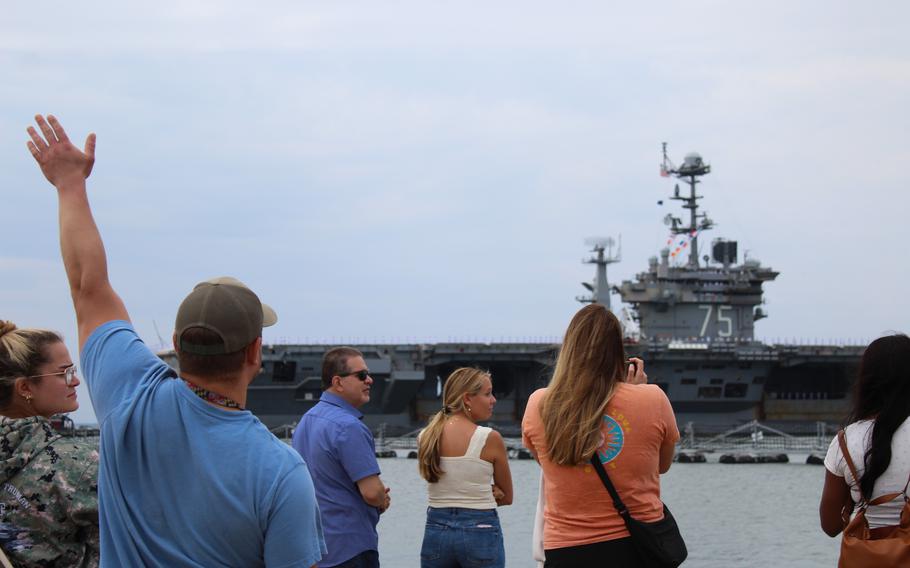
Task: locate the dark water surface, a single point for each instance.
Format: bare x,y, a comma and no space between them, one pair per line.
730,515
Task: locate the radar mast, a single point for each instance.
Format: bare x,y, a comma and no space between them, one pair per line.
602,247
693,168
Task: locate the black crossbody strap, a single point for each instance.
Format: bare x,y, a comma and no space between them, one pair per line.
617,502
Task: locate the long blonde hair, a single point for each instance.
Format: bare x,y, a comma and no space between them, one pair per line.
591,362
465,380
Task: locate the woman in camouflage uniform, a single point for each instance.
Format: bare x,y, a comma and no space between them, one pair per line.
48,486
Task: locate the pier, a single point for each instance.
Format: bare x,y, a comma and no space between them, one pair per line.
752,442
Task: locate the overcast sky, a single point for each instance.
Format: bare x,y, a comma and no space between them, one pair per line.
407,171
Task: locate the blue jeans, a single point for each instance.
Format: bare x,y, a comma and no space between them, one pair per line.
464,538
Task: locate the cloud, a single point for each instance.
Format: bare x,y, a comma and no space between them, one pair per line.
416,169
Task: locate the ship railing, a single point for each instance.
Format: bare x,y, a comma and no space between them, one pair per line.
757,436
283,432
400,443
406,441
750,436
409,442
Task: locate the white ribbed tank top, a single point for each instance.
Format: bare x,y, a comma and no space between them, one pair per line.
466,480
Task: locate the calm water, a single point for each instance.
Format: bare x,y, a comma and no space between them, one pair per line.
730,515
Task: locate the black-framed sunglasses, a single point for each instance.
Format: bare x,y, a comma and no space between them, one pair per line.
68,375
361,374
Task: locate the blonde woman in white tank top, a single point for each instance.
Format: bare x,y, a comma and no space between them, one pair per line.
468,476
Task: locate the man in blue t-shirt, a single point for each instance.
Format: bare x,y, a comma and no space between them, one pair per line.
333,439
187,476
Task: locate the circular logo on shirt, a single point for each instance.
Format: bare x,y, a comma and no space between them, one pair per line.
613,439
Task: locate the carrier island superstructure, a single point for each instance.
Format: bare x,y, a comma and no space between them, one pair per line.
691,319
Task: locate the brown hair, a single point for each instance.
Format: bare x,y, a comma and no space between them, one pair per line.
335,362
22,351
591,361
208,366
462,381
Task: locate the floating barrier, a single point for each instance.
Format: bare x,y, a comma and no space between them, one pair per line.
815,459
737,458
773,458
690,457
754,458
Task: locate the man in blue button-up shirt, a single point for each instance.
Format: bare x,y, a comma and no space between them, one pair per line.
339,450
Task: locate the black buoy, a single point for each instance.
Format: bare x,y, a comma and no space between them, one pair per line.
693,457
737,458
773,458
523,454
386,454
815,459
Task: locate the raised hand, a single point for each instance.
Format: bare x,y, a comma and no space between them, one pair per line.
67,167
60,161
635,374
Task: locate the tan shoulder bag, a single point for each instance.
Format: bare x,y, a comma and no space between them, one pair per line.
882,547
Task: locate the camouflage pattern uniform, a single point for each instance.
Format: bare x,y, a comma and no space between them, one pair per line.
48,496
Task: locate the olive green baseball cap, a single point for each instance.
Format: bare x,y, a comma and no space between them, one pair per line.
227,307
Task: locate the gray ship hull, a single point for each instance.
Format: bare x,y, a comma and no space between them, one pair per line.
716,385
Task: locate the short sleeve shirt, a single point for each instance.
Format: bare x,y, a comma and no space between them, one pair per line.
859,435
340,451
579,511
185,483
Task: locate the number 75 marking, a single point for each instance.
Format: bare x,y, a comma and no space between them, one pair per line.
721,319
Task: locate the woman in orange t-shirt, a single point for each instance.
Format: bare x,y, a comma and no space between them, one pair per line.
595,404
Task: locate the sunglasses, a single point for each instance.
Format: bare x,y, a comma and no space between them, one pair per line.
361,375
68,375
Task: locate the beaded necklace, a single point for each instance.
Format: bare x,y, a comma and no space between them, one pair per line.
212,397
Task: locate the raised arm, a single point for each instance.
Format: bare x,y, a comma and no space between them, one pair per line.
67,168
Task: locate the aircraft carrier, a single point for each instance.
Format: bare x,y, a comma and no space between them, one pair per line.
691,319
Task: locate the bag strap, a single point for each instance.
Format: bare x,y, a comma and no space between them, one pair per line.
842,440
617,502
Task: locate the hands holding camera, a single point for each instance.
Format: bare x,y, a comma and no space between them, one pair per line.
635,373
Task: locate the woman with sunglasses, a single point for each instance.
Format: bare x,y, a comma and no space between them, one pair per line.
459,459
49,497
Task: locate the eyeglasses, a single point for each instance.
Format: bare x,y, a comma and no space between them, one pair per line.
68,375
361,374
